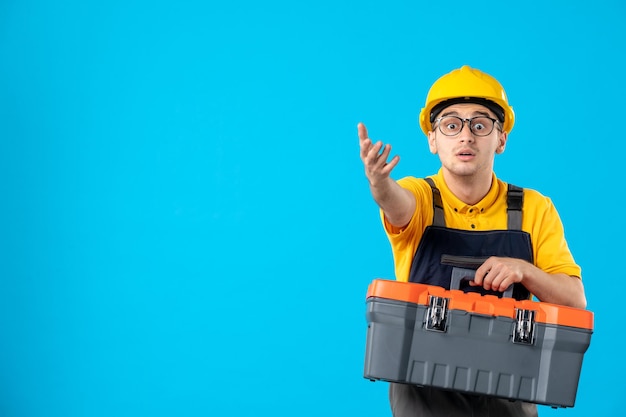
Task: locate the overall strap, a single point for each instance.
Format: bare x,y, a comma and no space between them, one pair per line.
438,219
514,201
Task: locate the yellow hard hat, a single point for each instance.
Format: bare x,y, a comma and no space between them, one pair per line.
467,85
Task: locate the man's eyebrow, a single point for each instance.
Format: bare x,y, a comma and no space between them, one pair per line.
476,113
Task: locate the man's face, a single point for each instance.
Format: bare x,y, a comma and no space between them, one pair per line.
466,154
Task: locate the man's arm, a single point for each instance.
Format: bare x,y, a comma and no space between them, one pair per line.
499,273
397,203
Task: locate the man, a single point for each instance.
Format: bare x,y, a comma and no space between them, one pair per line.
515,236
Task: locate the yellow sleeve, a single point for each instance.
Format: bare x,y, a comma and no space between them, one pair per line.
550,250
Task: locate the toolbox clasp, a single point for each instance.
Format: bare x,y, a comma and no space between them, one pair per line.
524,331
437,313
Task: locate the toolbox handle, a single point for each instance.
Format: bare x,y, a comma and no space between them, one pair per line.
464,269
466,274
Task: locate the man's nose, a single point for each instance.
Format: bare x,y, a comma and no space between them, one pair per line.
466,133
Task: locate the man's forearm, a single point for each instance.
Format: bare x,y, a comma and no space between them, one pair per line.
397,203
559,289
498,273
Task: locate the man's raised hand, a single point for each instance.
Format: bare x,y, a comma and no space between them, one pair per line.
377,169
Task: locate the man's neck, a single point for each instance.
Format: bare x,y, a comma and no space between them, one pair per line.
469,189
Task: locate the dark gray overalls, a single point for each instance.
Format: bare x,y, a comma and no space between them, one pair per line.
440,242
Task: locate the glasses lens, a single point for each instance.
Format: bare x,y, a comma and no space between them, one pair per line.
450,125
481,126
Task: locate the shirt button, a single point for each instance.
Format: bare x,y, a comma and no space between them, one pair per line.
473,226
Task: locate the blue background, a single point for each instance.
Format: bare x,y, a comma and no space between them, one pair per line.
185,225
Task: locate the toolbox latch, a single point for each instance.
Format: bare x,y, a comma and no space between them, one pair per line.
524,331
437,313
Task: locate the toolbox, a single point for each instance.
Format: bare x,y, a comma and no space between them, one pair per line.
475,344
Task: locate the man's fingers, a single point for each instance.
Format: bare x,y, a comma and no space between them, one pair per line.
375,155
379,154
384,152
362,131
391,165
478,278
481,273
364,142
372,151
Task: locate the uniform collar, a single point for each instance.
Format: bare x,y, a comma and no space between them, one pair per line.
456,205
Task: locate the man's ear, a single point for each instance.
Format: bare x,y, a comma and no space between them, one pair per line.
502,142
432,144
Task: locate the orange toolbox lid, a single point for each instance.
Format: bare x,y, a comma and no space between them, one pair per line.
481,304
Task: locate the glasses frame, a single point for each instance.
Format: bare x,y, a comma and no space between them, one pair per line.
469,124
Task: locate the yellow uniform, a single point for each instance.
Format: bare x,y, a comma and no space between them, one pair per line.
540,220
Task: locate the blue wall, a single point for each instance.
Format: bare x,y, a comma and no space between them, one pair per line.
185,226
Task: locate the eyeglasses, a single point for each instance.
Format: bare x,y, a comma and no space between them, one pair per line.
479,126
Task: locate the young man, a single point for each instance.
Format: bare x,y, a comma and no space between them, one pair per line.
515,236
